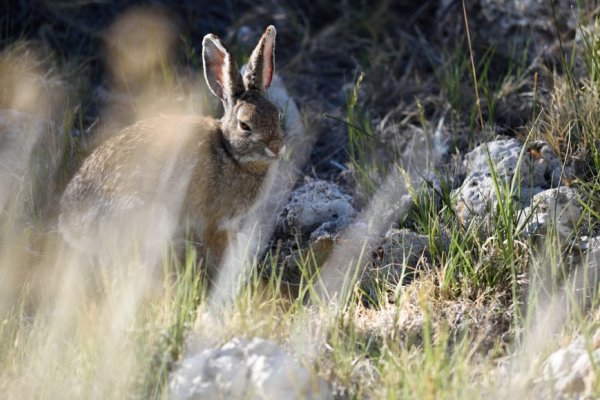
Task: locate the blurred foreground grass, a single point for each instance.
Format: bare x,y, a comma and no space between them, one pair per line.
478,325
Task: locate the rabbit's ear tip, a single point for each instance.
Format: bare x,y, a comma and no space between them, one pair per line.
209,37
271,30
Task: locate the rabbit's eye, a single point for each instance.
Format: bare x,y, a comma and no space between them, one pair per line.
245,127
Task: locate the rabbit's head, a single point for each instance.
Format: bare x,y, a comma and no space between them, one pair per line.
250,123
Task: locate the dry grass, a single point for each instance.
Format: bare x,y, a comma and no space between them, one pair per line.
469,326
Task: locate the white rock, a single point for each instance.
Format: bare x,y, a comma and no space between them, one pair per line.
571,371
314,204
553,207
537,168
242,369
560,363
504,155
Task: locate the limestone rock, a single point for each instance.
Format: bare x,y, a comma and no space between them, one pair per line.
245,369
317,205
552,208
571,369
536,168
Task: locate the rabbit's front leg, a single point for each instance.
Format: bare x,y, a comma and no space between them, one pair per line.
215,241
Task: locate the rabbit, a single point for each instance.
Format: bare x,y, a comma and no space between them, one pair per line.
225,163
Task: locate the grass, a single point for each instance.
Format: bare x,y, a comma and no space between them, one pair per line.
474,324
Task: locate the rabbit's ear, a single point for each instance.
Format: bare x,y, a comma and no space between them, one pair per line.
221,72
262,62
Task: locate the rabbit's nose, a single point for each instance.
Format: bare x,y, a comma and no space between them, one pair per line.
275,146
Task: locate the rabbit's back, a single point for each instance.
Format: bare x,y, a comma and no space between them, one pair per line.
146,166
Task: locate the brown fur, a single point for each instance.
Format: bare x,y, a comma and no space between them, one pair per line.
225,161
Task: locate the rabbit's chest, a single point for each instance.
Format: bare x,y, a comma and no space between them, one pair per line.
242,194
236,199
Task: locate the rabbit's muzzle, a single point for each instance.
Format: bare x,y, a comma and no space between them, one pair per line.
275,147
